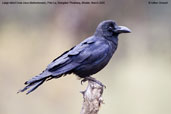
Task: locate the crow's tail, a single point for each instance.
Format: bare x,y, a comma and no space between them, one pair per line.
32,86
46,75
35,82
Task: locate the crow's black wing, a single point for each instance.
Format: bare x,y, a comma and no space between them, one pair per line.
70,59
66,62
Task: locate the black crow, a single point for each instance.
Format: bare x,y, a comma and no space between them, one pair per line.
84,59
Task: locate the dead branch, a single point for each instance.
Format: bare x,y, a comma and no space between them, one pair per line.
92,98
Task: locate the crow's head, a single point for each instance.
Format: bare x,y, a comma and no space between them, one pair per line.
109,28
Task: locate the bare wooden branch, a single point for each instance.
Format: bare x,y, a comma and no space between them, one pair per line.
92,98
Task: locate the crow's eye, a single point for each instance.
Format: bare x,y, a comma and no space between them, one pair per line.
110,28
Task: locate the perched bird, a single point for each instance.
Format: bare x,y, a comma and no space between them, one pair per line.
84,59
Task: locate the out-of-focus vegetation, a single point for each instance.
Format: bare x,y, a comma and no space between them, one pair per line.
138,78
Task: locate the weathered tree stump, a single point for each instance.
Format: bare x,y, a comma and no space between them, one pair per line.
92,98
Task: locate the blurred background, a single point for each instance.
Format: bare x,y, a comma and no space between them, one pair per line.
138,78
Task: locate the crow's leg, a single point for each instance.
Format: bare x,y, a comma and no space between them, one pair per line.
93,80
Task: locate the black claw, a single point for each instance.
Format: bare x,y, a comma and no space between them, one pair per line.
93,80
83,80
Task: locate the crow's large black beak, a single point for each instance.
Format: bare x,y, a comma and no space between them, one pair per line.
122,29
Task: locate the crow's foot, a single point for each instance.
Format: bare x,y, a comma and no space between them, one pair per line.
93,80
